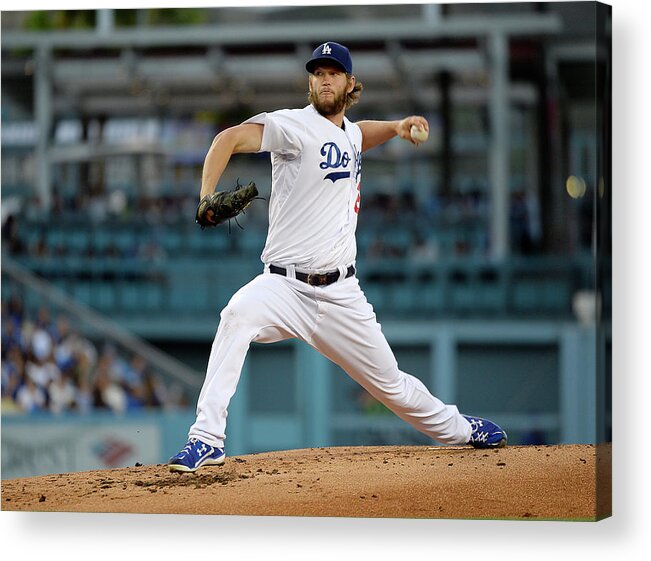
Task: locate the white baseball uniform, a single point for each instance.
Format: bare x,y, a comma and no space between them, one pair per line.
315,197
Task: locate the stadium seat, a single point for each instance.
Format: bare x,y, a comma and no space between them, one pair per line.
83,292
103,296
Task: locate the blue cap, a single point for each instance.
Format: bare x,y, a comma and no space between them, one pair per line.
331,52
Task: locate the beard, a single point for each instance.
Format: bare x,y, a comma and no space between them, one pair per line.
328,107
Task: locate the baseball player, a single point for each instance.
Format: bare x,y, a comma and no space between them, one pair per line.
308,289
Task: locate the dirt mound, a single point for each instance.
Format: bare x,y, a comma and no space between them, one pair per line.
523,482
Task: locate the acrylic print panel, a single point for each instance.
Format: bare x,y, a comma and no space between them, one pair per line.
485,252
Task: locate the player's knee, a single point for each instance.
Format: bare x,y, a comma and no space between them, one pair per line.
240,312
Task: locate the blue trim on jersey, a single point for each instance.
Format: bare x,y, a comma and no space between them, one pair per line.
335,175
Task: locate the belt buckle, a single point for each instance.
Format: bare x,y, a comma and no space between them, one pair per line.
315,279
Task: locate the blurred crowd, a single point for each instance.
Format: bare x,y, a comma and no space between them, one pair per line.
47,365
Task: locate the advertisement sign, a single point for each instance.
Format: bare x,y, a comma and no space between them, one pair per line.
31,449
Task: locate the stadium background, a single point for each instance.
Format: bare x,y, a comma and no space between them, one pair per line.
476,250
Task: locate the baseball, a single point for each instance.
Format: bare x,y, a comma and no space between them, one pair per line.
418,133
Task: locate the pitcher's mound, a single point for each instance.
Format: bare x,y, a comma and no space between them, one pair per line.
571,482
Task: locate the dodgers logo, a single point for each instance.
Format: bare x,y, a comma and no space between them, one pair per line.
326,49
334,159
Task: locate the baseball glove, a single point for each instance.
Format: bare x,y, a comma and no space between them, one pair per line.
224,205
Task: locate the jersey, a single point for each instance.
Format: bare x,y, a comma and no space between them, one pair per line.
315,189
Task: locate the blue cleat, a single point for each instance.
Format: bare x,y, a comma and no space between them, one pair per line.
485,433
195,455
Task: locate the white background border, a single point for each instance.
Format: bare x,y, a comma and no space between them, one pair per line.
625,536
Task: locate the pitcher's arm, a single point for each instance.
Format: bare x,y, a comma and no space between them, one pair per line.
375,133
234,140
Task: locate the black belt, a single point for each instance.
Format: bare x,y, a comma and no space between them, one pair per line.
312,279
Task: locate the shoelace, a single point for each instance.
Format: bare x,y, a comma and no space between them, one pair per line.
188,447
479,437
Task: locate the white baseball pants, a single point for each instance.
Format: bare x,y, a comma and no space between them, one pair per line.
338,322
